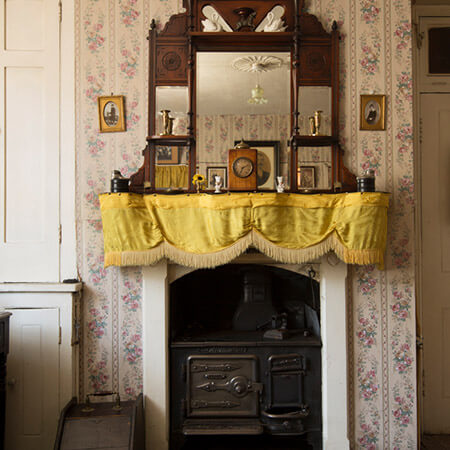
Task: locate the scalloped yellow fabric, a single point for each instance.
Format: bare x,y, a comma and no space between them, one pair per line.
203,230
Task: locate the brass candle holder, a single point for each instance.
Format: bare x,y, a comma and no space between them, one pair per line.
167,123
312,126
317,122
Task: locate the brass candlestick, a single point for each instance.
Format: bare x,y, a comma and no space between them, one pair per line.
312,126
167,122
170,126
317,122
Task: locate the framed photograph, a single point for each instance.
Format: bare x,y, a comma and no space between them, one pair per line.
268,162
111,113
166,155
373,108
306,177
211,172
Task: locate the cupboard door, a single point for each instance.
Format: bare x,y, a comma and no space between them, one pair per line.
29,143
435,165
32,379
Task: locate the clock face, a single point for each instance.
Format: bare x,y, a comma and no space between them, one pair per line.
243,167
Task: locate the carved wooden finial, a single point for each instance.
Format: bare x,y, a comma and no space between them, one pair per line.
152,24
246,18
334,27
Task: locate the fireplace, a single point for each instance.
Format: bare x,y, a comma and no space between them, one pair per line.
310,359
245,357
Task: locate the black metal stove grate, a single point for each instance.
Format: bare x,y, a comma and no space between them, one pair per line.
245,363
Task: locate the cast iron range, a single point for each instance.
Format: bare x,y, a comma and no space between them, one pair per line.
259,373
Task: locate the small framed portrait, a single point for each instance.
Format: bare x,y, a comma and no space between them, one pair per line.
111,113
267,161
373,109
212,172
306,177
167,155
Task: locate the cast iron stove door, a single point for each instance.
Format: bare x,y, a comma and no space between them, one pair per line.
223,386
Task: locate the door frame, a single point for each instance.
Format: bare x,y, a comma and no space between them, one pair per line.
67,147
419,11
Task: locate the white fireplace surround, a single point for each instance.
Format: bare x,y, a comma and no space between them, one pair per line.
155,314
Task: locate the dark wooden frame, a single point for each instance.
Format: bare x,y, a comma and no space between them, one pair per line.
299,177
225,178
314,62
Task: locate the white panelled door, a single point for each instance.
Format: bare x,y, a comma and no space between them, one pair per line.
32,379
435,166
29,140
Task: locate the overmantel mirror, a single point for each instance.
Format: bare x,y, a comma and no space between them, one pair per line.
258,71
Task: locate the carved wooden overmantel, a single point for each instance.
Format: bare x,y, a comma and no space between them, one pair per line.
314,62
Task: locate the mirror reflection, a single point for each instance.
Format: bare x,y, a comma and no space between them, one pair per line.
173,99
172,167
243,96
314,168
314,107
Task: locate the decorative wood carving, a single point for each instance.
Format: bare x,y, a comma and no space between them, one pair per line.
315,64
176,26
227,8
310,26
171,64
138,180
348,180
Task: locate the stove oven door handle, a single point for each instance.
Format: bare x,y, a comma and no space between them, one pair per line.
238,386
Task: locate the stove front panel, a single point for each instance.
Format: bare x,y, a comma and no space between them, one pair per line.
222,386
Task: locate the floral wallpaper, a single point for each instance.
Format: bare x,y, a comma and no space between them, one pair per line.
111,56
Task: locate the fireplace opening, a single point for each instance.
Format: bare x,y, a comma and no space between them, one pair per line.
245,359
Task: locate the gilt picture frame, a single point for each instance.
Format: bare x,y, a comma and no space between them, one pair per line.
268,163
373,112
111,113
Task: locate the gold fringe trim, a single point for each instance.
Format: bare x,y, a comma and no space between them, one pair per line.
280,254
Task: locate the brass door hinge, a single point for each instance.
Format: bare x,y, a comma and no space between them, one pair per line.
76,332
419,342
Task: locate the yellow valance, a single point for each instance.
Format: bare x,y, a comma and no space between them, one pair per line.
203,230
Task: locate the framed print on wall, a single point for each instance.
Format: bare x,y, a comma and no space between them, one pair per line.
268,162
220,171
111,113
373,112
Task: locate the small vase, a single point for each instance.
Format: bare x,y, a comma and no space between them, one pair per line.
218,184
280,185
